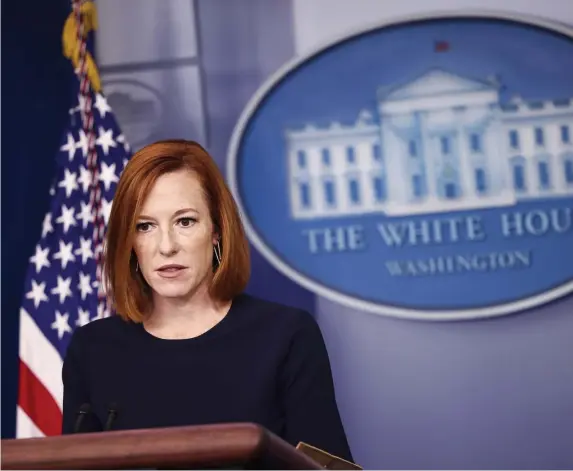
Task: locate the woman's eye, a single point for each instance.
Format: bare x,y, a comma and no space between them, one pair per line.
186,222
143,226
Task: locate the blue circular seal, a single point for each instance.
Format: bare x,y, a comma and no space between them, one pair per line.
419,169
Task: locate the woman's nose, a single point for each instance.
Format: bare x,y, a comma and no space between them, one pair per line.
168,242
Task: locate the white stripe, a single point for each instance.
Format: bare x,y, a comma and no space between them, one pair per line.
25,427
41,357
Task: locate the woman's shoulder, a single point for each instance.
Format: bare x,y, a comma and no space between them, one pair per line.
272,313
99,339
106,329
265,307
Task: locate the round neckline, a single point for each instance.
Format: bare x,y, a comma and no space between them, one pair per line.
224,325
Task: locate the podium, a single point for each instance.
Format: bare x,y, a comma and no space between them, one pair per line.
225,446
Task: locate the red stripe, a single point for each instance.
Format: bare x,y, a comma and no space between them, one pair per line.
38,403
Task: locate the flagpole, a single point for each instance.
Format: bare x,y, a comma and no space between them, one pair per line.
82,10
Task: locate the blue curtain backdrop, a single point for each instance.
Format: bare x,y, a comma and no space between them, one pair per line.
36,82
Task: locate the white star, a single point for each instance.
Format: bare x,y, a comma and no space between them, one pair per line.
121,139
82,143
47,225
86,215
63,289
85,285
124,163
105,140
67,218
61,324
106,209
65,254
37,293
85,178
83,317
85,250
107,175
69,182
101,105
40,259
70,147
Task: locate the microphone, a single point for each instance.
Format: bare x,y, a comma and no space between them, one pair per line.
84,410
111,415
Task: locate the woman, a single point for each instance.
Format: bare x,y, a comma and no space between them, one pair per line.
187,346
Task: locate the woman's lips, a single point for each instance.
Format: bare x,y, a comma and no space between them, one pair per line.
170,271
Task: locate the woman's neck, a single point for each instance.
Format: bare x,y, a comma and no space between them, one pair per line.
176,318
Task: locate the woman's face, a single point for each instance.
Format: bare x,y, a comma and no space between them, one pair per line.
175,236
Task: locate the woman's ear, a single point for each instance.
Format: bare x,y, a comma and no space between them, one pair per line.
216,234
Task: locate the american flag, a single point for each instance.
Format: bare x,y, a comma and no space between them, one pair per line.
61,287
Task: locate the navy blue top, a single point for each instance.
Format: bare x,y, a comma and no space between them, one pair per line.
264,363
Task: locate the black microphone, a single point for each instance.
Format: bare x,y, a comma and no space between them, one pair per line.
111,415
84,410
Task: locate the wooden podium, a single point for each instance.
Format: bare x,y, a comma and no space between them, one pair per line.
237,446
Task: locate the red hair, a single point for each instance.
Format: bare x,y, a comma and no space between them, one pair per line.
128,291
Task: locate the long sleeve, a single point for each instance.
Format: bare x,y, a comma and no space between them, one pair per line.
75,389
311,411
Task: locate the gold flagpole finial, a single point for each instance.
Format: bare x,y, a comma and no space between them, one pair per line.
72,46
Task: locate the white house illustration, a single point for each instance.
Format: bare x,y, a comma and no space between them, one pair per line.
439,143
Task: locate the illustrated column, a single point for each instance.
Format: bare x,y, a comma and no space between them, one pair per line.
428,157
466,170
